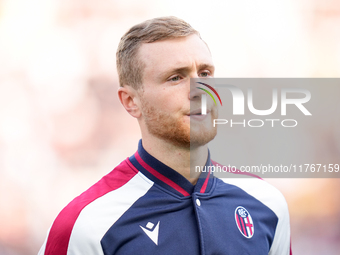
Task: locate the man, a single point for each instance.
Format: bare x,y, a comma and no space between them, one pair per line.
150,204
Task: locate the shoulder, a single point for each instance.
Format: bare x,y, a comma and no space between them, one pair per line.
80,226
271,197
257,188
262,191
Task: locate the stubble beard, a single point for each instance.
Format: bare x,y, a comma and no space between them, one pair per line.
175,130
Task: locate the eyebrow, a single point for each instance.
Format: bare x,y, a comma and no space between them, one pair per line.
186,69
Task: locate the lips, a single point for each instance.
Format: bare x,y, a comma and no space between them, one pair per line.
197,112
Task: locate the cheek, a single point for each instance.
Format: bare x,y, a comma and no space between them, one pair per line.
167,102
170,100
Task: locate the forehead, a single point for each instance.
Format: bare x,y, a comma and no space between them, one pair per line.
186,51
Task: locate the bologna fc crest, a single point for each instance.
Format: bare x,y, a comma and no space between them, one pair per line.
244,222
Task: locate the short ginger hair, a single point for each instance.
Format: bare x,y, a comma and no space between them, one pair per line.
129,66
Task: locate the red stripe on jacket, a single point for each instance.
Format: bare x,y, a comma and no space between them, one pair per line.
60,233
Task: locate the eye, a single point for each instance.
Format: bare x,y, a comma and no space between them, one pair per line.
204,74
175,78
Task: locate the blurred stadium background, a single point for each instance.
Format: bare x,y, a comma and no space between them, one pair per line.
62,127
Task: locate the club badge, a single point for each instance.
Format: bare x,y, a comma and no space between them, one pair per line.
244,222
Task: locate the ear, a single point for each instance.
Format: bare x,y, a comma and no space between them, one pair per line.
128,96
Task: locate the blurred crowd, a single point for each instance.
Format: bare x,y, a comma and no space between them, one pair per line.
62,126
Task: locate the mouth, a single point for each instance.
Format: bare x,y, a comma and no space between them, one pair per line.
197,114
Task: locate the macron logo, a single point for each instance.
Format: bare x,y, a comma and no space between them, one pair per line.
152,231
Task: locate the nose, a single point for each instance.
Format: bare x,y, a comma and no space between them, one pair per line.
195,93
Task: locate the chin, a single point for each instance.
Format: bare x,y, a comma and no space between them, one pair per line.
202,131
202,137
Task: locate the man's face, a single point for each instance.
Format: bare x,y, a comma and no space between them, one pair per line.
165,94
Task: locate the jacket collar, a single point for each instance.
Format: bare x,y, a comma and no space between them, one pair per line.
167,177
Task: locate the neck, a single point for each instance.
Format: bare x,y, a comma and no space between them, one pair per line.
178,158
